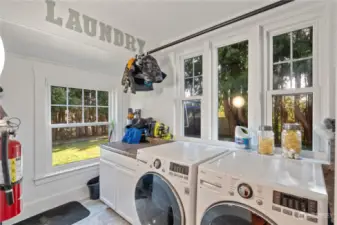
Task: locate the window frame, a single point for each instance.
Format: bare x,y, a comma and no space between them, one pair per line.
83,106
67,166
192,53
257,33
255,114
79,164
317,68
45,74
209,101
227,41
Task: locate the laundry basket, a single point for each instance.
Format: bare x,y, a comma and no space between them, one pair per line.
93,186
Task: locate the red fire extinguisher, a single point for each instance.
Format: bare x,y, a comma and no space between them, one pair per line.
10,176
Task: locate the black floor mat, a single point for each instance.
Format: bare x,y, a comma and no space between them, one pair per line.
66,214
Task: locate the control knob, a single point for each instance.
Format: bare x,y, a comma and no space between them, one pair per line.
245,191
157,164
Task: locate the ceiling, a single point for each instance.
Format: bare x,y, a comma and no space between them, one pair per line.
158,21
26,32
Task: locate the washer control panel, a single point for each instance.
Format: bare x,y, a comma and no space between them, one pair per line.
245,191
298,207
178,168
179,171
294,202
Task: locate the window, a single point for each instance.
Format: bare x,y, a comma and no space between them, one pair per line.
79,123
291,109
278,71
193,76
292,83
191,103
232,89
192,118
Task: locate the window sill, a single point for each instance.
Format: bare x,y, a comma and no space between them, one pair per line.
306,156
50,177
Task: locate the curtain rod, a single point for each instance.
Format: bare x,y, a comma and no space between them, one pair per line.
223,24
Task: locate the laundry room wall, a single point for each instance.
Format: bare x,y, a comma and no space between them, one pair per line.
30,53
161,102
67,19
34,45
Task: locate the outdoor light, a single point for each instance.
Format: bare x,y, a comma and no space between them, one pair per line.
2,56
238,101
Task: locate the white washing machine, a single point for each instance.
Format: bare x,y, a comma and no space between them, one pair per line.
242,188
165,193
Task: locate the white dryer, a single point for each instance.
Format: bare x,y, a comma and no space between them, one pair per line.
165,193
242,188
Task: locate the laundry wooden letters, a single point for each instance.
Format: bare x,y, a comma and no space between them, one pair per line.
93,28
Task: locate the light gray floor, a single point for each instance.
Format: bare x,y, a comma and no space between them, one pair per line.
100,214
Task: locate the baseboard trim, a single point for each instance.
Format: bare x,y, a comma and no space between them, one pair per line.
33,208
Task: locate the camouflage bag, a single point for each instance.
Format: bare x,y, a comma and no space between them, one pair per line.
140,72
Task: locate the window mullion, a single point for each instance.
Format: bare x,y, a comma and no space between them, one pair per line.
96,106
291,60
67,102
192,76
82,105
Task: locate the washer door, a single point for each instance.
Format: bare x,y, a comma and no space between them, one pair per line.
157,202
231,213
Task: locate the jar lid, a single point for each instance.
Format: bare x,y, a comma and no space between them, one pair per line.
265,128
291,126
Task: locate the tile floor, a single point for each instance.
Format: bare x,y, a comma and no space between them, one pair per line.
100,214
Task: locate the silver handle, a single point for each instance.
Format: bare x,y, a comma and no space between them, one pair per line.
143,161
210,184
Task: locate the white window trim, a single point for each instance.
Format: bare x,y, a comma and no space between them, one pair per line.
254,78
66,77
319,67
286,20
78,164
181,92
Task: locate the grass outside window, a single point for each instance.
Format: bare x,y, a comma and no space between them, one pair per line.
76,151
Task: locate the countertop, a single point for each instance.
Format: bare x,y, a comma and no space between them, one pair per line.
129,150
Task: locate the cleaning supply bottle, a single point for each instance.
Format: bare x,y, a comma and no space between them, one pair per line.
129,117
242,137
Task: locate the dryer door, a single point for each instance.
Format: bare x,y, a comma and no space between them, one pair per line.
231,213
157,202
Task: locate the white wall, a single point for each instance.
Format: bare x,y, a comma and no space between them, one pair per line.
25,48
52,57
18,83
160,103
32,14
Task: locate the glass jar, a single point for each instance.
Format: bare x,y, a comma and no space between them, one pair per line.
265,140
291,140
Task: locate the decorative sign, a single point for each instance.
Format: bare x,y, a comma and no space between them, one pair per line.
92,28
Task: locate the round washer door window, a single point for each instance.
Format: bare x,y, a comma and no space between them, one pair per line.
234,214
157,202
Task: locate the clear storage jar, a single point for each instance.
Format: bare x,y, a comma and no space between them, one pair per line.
265,140
291,140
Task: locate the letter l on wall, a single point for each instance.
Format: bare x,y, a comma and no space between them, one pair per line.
51,13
